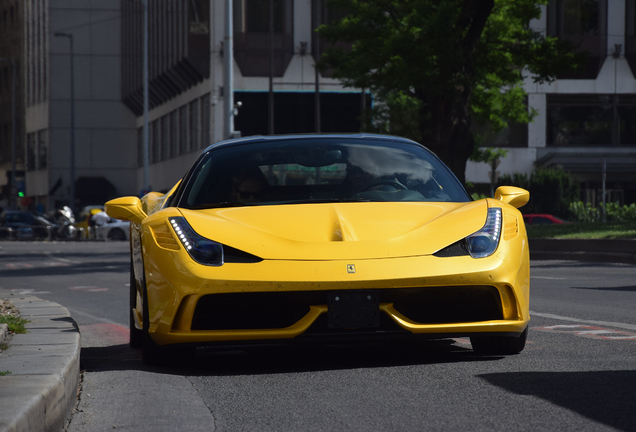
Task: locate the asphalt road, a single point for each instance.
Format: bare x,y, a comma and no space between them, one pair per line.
577,373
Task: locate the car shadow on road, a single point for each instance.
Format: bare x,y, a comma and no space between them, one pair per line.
603,396
285,359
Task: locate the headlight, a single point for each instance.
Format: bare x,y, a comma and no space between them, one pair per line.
201,250
484,242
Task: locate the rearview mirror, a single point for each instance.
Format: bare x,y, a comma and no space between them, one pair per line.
125,208
512,195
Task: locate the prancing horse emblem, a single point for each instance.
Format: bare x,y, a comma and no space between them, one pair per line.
351,268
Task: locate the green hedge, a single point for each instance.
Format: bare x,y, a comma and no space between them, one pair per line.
552,190
582,212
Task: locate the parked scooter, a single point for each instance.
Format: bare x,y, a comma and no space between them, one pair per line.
65,219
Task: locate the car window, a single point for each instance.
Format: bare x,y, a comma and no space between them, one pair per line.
319,170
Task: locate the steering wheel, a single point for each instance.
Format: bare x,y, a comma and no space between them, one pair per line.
389,182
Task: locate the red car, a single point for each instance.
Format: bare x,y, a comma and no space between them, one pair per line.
541,219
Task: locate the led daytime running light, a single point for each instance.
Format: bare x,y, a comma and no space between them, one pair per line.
484,242
201,249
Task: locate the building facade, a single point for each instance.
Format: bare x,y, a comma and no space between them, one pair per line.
587,119
582,120
11,102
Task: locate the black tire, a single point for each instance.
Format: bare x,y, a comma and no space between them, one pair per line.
116,234
135,333
154,355
505,345
150,353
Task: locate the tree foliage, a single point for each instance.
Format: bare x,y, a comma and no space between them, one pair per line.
437,65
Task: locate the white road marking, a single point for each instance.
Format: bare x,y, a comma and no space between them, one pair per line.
87,288
589,332
546,277
600,323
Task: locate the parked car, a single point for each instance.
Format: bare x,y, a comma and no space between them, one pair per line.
542,219
114,229
307,238
24,225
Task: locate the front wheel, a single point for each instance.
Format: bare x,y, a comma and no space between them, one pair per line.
505,345
135,333
151,353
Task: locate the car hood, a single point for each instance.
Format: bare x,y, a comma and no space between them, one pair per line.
340,231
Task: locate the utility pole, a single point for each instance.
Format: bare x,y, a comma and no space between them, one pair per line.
228,73
72,161
146,150
14,132
271,68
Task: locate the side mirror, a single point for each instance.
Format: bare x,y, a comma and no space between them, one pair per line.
514,196
126,208
152,201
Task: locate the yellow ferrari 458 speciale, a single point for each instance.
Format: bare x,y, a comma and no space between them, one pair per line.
307,238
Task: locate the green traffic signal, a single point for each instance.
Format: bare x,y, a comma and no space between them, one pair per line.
21,194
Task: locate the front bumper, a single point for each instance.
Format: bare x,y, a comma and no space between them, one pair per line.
178,288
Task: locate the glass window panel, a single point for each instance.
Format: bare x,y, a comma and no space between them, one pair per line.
257,16
174,134
580,125
194,124
580,17
183,129
205,120
43,148
31,152
627,125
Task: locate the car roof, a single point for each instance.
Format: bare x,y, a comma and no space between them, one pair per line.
265,138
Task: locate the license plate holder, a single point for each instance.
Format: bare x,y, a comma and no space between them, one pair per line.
354,309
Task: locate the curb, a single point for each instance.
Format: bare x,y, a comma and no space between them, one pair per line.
598,250
41,391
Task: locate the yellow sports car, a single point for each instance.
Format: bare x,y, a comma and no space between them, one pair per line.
307,238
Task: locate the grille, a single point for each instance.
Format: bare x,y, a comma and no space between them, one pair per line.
456,249
240,311
426,305
438,305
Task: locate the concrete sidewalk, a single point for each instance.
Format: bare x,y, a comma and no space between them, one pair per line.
41,389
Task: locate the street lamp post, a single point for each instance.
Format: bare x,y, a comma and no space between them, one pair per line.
14,132
72,168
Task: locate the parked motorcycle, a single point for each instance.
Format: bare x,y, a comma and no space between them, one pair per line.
65,220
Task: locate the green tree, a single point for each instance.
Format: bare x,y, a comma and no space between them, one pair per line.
440,64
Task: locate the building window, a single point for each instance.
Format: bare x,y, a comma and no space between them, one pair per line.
591,120
31,152
339,111
205,120
43,149
251,36
322,13
140,147
183,130
153,138
194,124
174,135
584,23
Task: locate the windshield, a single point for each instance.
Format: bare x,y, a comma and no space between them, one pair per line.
318,170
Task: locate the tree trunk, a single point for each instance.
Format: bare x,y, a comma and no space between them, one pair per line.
447,133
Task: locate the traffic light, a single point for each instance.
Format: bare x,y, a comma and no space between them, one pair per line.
20,188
